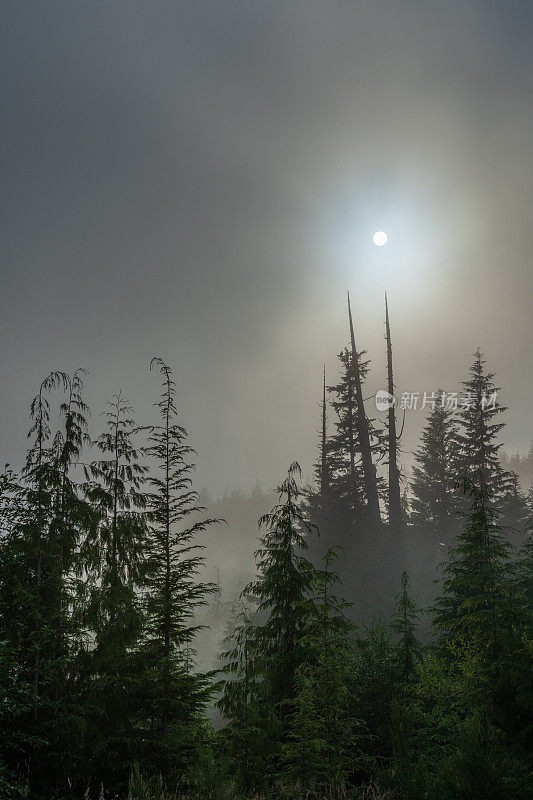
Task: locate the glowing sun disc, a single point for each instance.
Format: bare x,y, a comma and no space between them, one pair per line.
380,238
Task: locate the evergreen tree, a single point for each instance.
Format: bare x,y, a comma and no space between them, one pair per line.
116,489
39,589
404,625
275,646
72,515
246,732
41,478
177,694
18,618
477,592
477,450
481,611
321,750
375,688
323,506
61,723
117,566
347,481
285,578
525,566
434,504
514,511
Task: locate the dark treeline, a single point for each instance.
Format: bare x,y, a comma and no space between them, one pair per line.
332,680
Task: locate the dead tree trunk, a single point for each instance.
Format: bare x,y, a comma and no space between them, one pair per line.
395,506
369,470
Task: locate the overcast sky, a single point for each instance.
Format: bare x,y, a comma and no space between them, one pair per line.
201,181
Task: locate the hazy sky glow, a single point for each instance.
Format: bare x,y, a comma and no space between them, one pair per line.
202,180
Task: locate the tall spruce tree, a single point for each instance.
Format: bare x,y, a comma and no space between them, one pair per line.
477,451
115,488
39,589
275,646
117,564
73,518
40,477
174,589
285,578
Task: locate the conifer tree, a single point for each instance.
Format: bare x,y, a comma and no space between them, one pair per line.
18,631
246,732
525,565
274,643
477,452
174,589
321,750
116,489
61,722
38,474
404,625
72,517
477,600
324,500
285,578
39,589
513,506
375,686
480,620
433,504
117,565
347,480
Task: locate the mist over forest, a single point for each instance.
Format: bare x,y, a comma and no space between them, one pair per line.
266,449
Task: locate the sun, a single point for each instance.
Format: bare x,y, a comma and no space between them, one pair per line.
380,238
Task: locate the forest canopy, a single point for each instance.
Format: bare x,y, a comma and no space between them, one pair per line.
380,649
